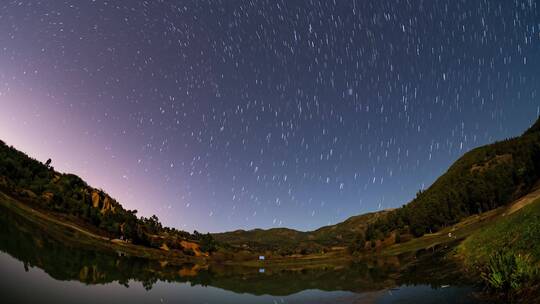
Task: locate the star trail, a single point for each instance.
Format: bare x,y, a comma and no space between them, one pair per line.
221,115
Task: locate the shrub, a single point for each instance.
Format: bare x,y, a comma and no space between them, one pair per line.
207,243
510,272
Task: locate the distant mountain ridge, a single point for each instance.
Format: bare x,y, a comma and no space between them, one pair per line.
289,240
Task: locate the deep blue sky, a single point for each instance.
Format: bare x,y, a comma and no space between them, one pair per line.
219,115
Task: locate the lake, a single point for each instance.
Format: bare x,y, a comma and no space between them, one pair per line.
37,267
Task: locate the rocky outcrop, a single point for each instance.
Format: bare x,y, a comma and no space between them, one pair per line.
95,199
47,196
105,204
164,247
191,271
108,204
193,246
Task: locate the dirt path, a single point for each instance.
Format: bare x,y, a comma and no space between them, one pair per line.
524,201
8,200
466,226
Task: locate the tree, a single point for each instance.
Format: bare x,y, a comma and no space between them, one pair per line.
207,243
110,224
357,243
152,224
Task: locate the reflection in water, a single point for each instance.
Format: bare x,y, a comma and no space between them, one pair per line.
55,269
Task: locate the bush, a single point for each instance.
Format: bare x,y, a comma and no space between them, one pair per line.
207,243
510,272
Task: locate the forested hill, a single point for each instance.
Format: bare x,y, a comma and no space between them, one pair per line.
288,241
482,179
67,195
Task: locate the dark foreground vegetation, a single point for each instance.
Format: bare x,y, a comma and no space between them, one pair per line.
507,254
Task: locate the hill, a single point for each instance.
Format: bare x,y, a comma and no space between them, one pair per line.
66,198
481,180
289,241
506,253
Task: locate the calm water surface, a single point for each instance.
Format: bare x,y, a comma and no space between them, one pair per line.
37,267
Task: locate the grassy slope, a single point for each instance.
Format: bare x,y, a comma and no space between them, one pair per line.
466,229
518,232
507,254
459,232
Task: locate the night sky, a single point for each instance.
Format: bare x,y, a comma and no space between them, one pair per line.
220,115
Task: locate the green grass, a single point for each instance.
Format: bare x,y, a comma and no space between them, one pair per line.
507,252
518,232
459,231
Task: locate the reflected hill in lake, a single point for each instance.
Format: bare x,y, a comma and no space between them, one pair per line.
65,261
